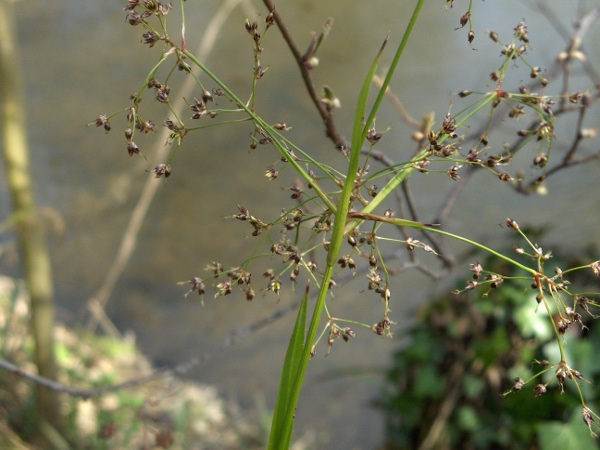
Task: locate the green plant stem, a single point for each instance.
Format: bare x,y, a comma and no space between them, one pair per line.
554,327
151,74
335,244
341,214
392,70
427,227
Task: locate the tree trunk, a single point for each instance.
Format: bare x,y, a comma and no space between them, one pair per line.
36,261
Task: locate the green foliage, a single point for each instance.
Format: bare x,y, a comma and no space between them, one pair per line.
446,383
281,430
127,418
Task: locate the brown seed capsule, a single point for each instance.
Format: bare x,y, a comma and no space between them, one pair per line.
372,261
562,326
197,285
270,19
373,136
250,27
588,419
521,32
131,5
476,269
150,38
162,169
540,160
516,111
132,148
471,285
484,139
347,333
534,72
519,383
540,389
147,127
271,173
101,121
224,288
343,261
453,171
216,267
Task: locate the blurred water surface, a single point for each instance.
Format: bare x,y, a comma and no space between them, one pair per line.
82,59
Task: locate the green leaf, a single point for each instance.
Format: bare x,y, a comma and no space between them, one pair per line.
281,436
561,436
533,323
468,419
429,383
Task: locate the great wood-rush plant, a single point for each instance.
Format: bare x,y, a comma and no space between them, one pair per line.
338,222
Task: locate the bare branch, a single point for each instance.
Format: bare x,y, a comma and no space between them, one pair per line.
326,114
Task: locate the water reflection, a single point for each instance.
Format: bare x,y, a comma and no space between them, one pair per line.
82,59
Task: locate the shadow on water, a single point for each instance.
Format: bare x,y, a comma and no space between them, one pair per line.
82,59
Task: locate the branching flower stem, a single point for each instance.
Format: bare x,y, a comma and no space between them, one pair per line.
267,129
430,228
409,168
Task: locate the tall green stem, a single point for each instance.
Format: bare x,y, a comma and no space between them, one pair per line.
359,133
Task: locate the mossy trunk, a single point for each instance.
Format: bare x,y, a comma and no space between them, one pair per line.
35,258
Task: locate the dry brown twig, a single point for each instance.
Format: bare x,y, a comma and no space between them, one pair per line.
301,60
